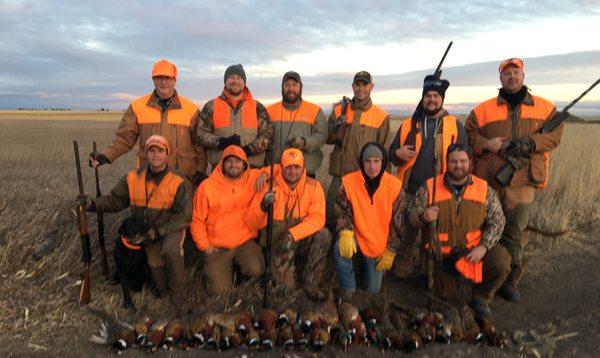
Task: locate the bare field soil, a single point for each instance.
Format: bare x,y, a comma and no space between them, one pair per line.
558,317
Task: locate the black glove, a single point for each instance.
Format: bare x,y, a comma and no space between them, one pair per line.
142,238
132,226
519,146
248,151
225,142
101,158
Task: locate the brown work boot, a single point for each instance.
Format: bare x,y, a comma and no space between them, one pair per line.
179,300
481,309
159,278
509,290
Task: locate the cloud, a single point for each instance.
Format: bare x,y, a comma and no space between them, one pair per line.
86,51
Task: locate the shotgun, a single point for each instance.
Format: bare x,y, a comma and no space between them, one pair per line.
517,159
100,217
82,224
269,239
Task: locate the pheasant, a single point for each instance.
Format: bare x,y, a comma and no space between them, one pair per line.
118,334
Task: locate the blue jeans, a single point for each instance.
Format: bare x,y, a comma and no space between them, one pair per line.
370,278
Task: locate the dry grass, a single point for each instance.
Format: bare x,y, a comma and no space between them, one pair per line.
38,179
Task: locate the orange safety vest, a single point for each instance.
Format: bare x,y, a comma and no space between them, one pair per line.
491,111
373,117
152,115
305,113
222,114
449,136
372,217
146,194
475,193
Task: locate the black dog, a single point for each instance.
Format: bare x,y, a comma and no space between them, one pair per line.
132,270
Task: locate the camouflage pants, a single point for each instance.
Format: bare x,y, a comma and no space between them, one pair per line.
302,262
404,261
332,193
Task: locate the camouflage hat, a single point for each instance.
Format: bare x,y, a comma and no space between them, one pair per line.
363,76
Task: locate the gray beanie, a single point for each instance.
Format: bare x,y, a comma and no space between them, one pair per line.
371,151
235,70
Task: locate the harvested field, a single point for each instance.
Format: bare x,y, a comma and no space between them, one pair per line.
558,317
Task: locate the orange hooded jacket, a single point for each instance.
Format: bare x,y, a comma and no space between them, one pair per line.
220,204
305,202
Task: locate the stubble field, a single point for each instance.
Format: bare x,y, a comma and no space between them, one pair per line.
38,300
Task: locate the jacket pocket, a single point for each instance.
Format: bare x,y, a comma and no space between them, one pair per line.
538,169
186,162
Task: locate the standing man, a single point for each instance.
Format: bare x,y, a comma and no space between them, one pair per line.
510,120
351,126
235,118
298,124
416,146
162,112
469,224
218,226
299,233
163,198
370,207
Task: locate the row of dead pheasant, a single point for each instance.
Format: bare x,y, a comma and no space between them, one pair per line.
342,324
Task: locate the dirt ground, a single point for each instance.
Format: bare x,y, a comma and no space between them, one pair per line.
559,315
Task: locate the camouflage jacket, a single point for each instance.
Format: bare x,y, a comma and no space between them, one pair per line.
493,224
258,145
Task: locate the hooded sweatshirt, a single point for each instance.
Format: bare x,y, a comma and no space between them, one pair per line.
301,210
220,204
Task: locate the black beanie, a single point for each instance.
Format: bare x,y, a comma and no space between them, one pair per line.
235,70
435,84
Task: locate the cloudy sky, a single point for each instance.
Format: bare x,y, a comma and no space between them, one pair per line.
93,54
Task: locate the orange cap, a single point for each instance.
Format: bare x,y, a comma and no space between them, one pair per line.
164,68
514,61
292,156
157,140
236,151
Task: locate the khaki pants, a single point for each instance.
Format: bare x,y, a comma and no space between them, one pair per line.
513,238
332,192
169,252
218,266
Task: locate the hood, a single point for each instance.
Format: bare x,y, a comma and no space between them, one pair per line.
236,151
246,96
373,184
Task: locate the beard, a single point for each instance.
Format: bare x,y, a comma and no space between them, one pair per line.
458,174
291,97
429,112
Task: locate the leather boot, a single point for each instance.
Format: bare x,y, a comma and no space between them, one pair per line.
159,278
509,290
177,284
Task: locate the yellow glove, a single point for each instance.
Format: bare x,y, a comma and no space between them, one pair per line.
346,244
385,261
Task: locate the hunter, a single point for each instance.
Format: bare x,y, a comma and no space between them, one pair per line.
469,224
509,121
